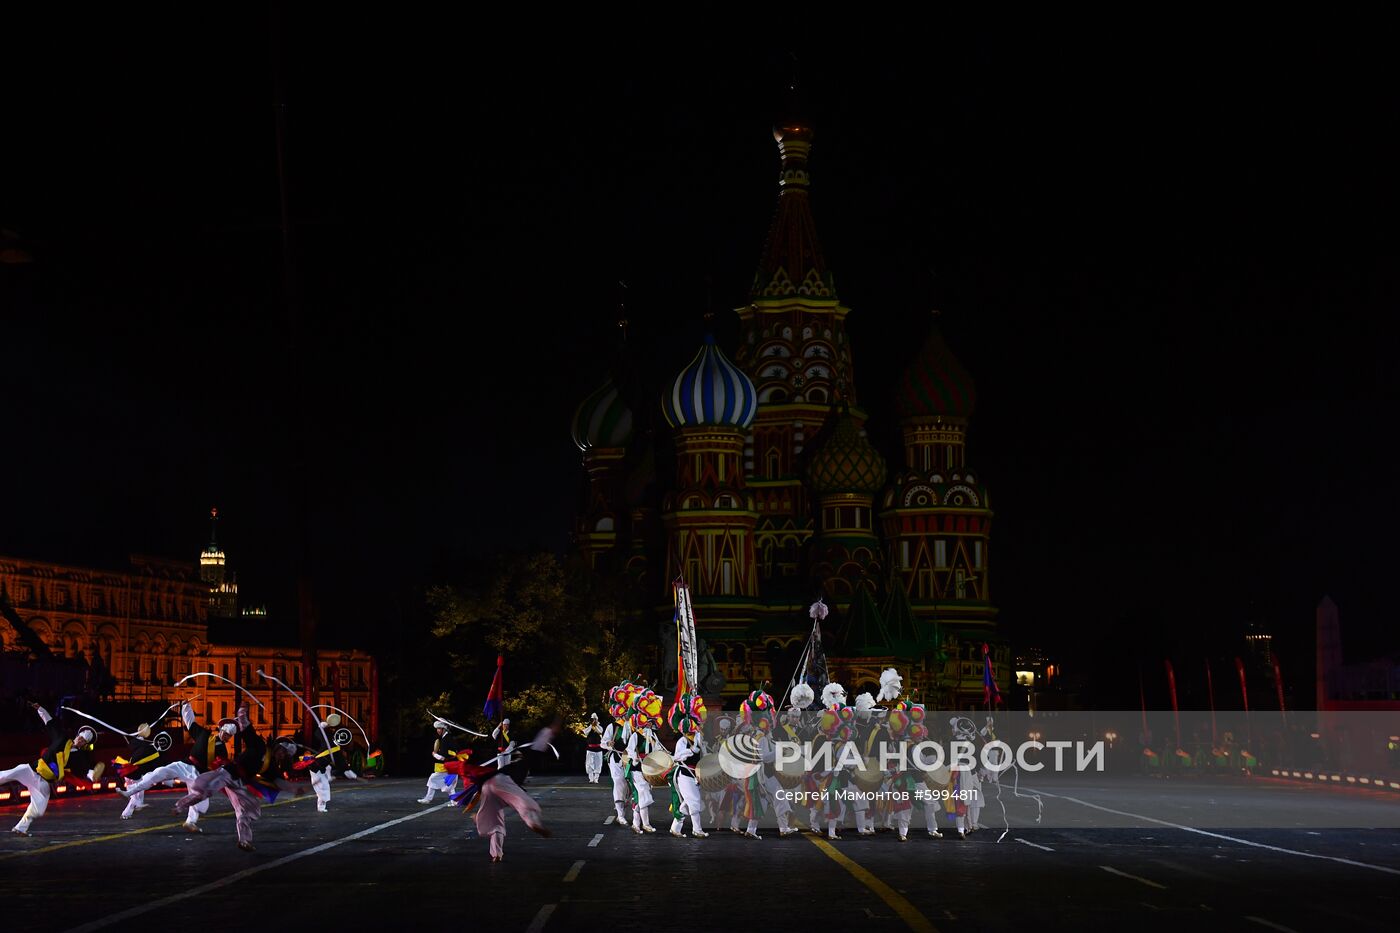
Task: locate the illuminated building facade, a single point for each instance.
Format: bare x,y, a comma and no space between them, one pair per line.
140,629
778,496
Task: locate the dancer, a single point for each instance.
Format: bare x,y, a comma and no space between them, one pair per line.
444,750
278,771
615,743
207,751
62,755
145,756
500,788
727,801
232,777
685,784
502,736
593,758
639,745
756,712
871,734
324,761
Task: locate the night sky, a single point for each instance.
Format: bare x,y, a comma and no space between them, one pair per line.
1169,262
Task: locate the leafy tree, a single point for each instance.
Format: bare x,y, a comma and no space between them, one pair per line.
564,632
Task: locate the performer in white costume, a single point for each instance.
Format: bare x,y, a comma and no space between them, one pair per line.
593,758
208,751
686,801
615,747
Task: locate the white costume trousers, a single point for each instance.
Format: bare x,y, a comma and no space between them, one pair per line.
691,804
246,806
181,771
39,790
497,794
321,784
622,794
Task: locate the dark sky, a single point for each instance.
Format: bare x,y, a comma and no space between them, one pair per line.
1169,262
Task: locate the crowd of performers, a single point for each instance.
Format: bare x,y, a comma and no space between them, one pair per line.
722,770
227,757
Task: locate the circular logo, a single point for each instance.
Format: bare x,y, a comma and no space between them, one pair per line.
740,757
162,742
341,737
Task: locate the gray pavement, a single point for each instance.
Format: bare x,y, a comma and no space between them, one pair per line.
379,857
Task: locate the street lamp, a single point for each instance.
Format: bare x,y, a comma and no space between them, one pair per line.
1034,736
1112,737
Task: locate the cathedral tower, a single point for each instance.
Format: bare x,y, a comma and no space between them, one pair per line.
793,345
709,512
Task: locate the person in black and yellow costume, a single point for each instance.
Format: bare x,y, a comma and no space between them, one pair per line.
207,751
62,755
327,763
146,751
445,748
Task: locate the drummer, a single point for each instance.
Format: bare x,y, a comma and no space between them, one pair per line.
722,800
874,733
640,743
685,785
757,714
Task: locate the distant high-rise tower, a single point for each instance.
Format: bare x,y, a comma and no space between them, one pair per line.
213,571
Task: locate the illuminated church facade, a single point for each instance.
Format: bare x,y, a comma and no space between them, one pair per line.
775,495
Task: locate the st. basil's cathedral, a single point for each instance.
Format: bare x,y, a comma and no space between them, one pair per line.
777,497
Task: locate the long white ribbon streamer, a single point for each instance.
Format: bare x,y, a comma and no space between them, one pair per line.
225,680
106,725
317,719
456,726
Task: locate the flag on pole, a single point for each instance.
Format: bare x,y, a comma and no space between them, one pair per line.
991,693
496,698
687,659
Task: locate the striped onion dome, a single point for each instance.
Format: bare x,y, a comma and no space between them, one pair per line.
602,419
846,462
935,384
710,391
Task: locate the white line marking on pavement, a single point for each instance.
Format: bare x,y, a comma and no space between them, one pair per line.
1271,925
541,918
1243,842
1034,845
573,871
240,875
1123,874
609,820
596,839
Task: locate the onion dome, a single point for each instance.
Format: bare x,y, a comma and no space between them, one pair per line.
846,462
936,384
602,420
710,391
